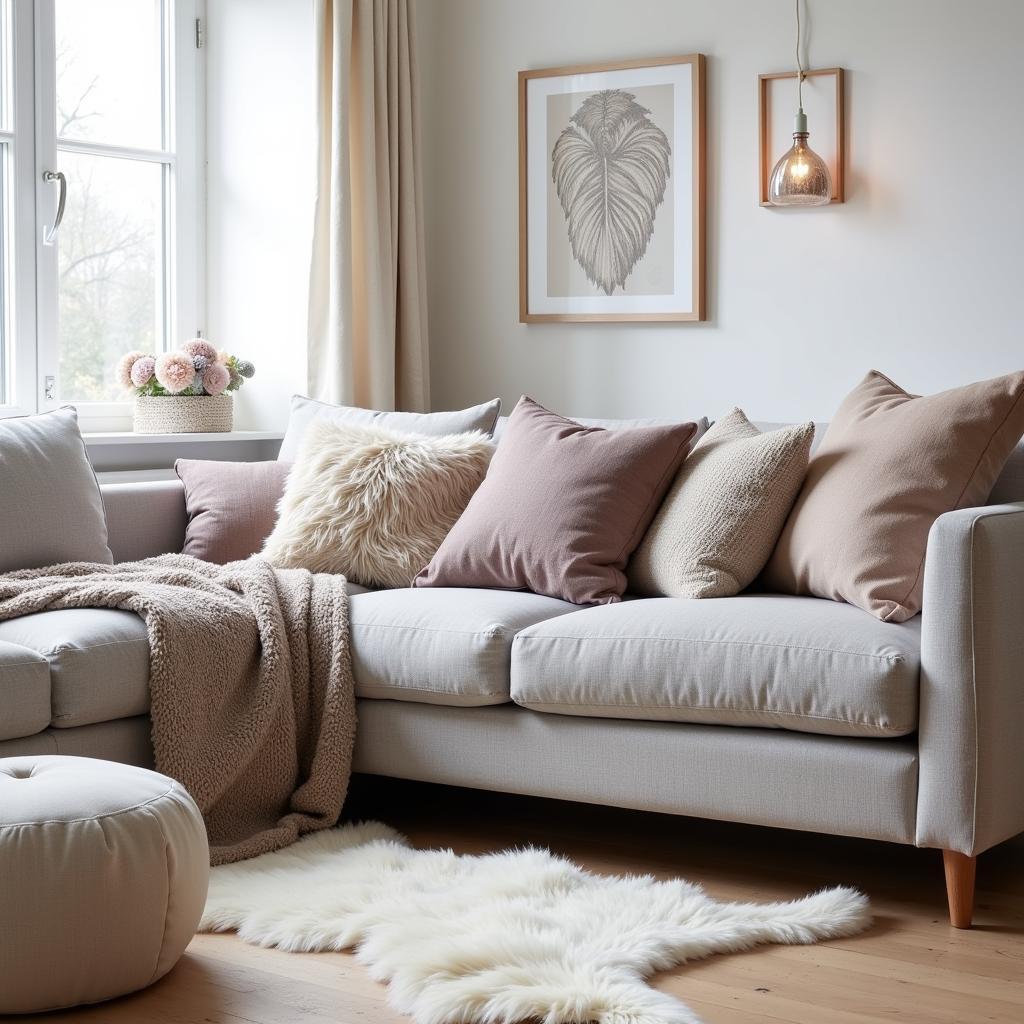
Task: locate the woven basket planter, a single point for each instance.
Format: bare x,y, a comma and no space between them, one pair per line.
183,414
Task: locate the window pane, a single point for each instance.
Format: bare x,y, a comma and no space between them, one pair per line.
110,71
6,62
111,271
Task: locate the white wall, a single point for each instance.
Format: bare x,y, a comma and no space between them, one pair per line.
260,187
917,274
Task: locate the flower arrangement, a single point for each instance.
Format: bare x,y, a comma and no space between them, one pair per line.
196,369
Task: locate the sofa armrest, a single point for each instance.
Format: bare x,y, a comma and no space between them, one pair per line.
971,790
144,519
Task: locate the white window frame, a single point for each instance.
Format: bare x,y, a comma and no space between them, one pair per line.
34,339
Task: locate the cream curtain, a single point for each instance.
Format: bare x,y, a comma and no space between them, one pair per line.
367,295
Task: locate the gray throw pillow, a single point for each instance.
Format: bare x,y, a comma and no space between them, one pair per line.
433,424
51,510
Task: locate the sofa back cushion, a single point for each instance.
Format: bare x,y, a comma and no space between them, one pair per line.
562,508
51,510
889,465
1009,485
305,411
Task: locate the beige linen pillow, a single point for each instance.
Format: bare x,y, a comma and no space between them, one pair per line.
889,465
723,514
373,504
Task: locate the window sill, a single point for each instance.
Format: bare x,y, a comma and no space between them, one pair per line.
95,438
127,452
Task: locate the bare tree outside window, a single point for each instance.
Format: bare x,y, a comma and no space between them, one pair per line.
110,244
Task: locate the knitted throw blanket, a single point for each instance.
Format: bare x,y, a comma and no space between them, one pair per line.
252,698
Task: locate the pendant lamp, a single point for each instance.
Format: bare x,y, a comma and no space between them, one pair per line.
801,177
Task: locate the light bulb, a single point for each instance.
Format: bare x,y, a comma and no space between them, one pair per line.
801,177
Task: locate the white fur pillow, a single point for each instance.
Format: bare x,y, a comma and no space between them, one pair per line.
373,504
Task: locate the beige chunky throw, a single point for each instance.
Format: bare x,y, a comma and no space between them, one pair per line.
252,699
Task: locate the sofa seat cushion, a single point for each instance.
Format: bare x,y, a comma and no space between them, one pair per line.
98,659
755,660
96,662
24,692
441,645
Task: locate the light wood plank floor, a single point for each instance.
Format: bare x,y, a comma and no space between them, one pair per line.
911,967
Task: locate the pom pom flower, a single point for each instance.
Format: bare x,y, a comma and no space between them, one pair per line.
124,368
142,371
197,369
175,372
200,347
216,378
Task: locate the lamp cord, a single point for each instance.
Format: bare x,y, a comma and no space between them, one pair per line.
799,66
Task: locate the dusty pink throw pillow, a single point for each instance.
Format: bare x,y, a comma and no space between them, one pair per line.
561,509
890,464
232,506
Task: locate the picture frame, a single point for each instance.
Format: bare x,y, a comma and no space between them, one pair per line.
825,104
619,240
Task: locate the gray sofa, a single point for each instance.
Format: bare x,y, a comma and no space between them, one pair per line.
785,711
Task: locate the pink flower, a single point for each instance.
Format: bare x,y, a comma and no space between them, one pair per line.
200,347
175,372
216,378
142,371
124,368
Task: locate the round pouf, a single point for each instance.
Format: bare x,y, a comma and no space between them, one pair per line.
103,874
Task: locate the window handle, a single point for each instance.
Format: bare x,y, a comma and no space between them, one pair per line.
50,234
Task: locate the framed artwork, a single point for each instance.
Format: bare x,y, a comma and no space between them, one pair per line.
825,106
612,191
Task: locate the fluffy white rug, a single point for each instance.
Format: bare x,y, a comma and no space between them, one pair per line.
505,937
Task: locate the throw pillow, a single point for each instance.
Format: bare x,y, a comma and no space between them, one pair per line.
52,510
232,506
373,504
307,410
889,465
702,425
723,514
561,509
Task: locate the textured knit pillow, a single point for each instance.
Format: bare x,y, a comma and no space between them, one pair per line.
232,506
50,505
889,465
724,512
562,508
373,504
304,411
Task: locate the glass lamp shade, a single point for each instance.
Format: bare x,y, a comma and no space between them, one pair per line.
801,177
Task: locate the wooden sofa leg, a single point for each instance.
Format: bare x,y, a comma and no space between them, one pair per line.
959,887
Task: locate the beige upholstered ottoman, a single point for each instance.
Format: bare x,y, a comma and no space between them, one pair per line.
103,873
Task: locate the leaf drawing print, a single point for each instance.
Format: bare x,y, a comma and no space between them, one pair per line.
610,167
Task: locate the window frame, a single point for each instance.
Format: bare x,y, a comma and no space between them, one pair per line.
34,338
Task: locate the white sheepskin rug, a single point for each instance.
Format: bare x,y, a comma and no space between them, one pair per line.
505,937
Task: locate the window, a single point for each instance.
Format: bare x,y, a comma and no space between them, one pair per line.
99,102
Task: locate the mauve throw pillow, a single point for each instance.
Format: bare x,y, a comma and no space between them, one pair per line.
889,465
232,506
561,509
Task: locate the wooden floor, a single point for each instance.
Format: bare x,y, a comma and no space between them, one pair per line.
911,967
